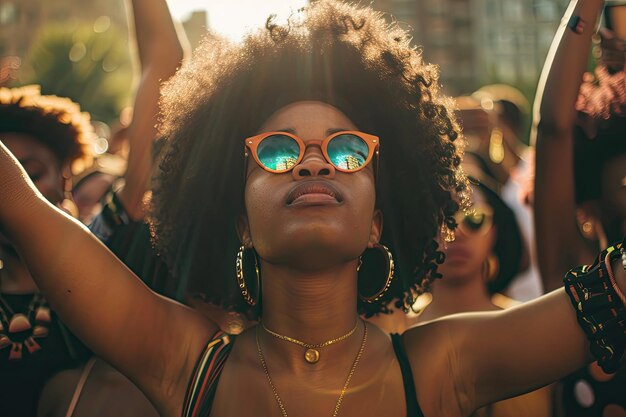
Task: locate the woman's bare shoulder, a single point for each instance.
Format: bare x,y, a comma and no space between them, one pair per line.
437,366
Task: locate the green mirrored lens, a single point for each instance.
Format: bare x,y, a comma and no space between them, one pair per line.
347,152
278,152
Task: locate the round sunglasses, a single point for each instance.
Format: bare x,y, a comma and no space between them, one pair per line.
477,220
279,152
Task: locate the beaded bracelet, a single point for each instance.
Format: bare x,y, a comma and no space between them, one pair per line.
609,270
600,307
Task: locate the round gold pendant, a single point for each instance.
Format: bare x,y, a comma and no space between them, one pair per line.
311,356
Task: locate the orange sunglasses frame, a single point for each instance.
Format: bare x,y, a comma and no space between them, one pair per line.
252,143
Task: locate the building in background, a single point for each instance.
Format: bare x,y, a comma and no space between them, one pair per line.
445,29
476,42
22,20
514,37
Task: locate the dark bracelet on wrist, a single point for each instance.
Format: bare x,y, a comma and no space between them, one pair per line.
576,24
600,308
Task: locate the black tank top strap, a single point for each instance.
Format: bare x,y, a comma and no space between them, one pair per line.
412,406
203,384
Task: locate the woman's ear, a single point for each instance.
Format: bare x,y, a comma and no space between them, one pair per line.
377,229
243,231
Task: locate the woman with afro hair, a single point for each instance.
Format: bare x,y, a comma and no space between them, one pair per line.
53,140
284,155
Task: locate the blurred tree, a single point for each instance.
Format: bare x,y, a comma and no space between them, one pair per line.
89,63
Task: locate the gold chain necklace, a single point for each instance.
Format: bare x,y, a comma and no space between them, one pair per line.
312,354
343,390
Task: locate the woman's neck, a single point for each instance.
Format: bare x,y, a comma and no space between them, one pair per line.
470,295
312,307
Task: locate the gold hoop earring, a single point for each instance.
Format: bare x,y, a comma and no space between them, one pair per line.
491,267
241,280
587,229
389,271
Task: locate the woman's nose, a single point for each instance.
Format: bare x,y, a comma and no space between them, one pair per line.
313,165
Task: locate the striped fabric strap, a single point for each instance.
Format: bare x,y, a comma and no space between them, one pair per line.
203,383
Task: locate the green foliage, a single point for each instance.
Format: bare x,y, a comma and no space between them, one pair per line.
88,63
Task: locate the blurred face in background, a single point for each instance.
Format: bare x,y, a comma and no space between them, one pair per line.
475,238
40,163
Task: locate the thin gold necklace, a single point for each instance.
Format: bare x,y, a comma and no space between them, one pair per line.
312,354
343,390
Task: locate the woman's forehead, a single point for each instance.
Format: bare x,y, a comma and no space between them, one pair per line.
308,118
478,197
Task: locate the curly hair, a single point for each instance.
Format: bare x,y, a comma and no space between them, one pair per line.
344,55
601,104
56,122
509,246
602,94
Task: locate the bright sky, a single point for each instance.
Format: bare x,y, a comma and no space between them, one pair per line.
233,18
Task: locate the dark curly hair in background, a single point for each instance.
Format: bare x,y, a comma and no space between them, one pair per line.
599,143
341,54
509,247
56,122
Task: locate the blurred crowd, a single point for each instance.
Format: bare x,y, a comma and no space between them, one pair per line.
548,192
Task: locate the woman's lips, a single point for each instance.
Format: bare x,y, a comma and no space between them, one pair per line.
314,199
314,193
457,253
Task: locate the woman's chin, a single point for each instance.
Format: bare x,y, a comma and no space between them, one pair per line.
312,254
457,273
323,231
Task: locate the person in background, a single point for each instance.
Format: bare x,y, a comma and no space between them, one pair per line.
488,253
580,187
106,173
53,140
160,50
494,120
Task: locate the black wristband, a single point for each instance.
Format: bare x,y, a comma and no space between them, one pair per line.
599,310
576,24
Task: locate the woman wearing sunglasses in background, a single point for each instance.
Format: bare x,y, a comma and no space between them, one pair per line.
289,229
486,255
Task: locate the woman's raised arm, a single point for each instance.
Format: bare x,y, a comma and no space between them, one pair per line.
486,357
160,51
559,243
153,340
